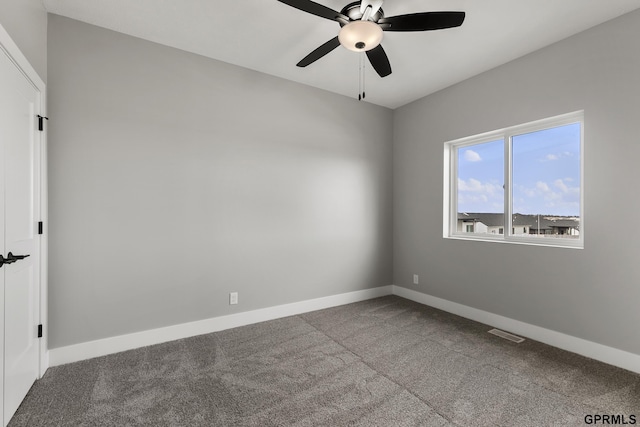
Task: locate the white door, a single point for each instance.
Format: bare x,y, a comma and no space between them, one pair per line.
20,180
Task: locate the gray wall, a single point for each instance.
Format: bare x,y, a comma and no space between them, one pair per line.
175,179
26,23
591,293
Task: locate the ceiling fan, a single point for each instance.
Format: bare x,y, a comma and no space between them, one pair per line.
363,23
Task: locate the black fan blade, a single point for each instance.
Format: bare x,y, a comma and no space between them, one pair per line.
319,52
424,21
315,9
379,61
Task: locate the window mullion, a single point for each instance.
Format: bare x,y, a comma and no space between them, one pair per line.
508,225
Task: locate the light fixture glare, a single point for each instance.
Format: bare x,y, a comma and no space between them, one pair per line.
360,36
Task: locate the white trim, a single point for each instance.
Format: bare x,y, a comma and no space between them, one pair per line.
102,347
44,243
447,191
87,350
22,64
13,51
531,241
603,353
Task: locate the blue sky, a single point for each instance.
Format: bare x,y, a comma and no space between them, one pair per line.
546,174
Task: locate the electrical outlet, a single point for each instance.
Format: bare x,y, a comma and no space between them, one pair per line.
416,279
233,298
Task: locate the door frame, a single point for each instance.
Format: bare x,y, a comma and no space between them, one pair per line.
8,46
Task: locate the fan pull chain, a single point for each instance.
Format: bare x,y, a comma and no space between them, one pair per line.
364,64
361,74
360,78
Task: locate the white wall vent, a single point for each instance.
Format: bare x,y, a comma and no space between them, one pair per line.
506,335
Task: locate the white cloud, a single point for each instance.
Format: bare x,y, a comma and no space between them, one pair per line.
561,185
556,156
559,198
472,198
477,196
472,156
542,186
473,185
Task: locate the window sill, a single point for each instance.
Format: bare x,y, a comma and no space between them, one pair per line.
548,242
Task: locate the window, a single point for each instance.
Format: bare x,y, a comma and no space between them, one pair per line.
525,179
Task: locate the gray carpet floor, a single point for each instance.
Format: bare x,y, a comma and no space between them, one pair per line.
382,362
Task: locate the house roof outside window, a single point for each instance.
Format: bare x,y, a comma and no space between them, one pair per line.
547,222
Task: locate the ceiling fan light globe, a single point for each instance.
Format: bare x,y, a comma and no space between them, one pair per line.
360,36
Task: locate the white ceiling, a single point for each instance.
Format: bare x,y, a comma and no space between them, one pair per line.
271,37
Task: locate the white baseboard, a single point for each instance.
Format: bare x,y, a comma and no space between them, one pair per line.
102,347
603,353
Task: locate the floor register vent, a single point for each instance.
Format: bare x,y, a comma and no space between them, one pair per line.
506,335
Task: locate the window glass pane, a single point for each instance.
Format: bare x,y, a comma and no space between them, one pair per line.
480,188
546,183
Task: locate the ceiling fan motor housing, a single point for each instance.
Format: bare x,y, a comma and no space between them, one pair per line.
352,10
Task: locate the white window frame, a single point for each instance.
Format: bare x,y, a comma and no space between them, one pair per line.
450,190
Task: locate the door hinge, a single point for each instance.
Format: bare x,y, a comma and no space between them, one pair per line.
41,120
40,227
40,331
